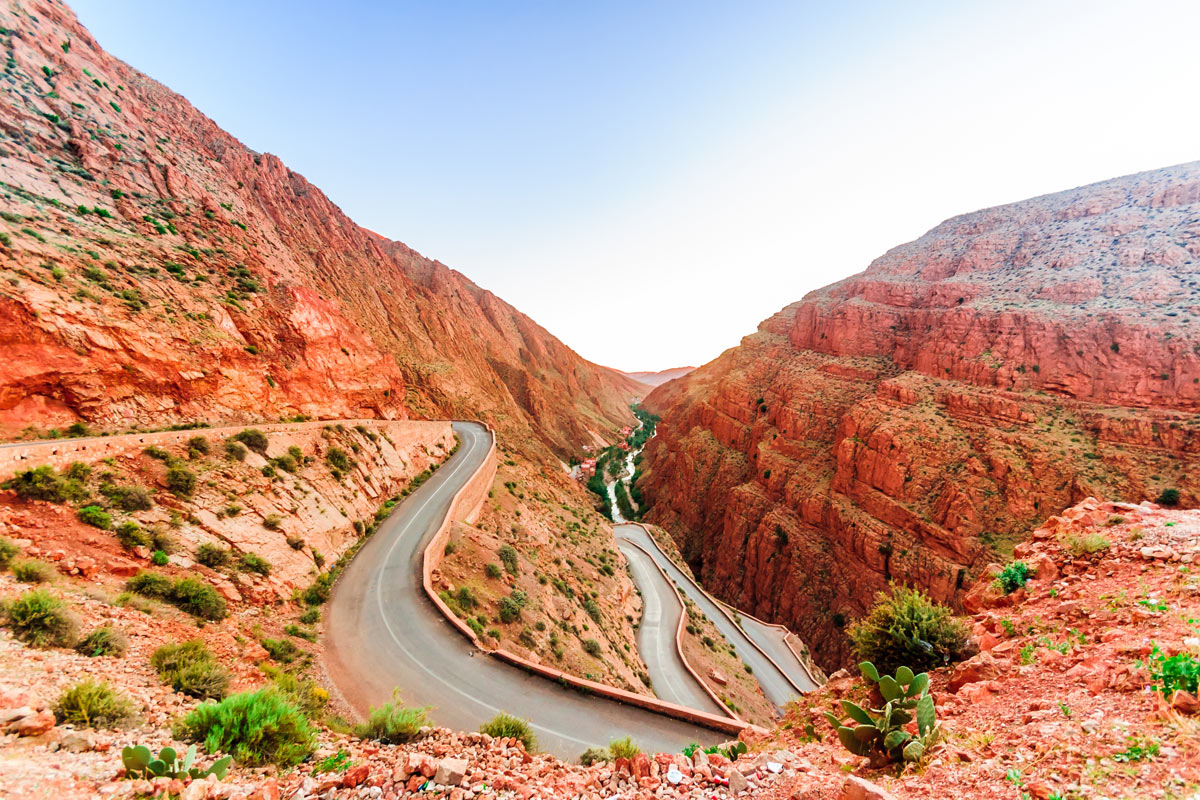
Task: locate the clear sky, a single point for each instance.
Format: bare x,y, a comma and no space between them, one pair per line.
650,179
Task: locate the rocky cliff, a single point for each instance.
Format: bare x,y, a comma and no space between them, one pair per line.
906,423
156,271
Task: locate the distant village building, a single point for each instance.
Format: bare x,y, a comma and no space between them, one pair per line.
626,430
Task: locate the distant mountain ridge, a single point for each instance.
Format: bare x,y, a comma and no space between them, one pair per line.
658,378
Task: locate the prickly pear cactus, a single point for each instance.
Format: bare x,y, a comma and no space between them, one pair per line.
880,733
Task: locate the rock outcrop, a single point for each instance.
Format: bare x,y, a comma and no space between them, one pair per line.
908,422
157,271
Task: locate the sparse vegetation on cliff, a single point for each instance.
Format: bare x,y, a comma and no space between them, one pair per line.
905,628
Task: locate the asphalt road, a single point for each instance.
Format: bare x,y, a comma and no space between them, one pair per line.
770,638
383,632
661,611
775,684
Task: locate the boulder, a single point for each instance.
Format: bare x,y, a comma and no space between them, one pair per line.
450,771
982,667
856,788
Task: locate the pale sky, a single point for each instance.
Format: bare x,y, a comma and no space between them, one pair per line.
650,180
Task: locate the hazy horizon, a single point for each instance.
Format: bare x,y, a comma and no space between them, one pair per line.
649,182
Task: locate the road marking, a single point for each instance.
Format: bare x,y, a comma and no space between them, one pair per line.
412,656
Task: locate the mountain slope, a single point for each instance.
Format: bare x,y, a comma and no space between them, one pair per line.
157,271
906,423
658,378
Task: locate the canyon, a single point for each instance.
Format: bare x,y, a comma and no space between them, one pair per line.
909,423
156,271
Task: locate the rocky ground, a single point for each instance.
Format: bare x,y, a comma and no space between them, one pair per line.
1057,703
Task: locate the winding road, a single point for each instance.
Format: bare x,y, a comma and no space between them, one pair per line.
383,632
778,686
661,610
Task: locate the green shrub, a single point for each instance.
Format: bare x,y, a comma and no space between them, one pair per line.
1168,497
181,481
508,557
272,522
159,558
1013,577
213,556
235,451
310,617
92,704
506,726
130,535
161,540
592,647
594,755
150,584
198,445
282,650
157,452
493,570
286,462
8,549
77,471
30,570
510,607
43,483
128,498
106,641
337,459
258,727
300,633
253,438
304,693
623,748
1172,673
393,723
1079,544
190,668
907,628
251,562
95,516
198,599
39,619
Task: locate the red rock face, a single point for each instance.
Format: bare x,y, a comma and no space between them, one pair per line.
910,422
155,271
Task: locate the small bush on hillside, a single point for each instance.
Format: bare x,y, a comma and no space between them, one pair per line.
337,459
198,599
154,451
505,725
150,584
623,748
30,570
510,607
594,755
592,647
1013,577
161,540
393,723
508,557
181,481
272,522
159,559
8,549
304,693
197,446
907,628
128,498
92,704
106,641
211,555
259,727
43,483
95,516
283,651
1086,543
310,617
77,471
493,570
130,535
190,668
1168,497
251,562
253,438
39,619
235,451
